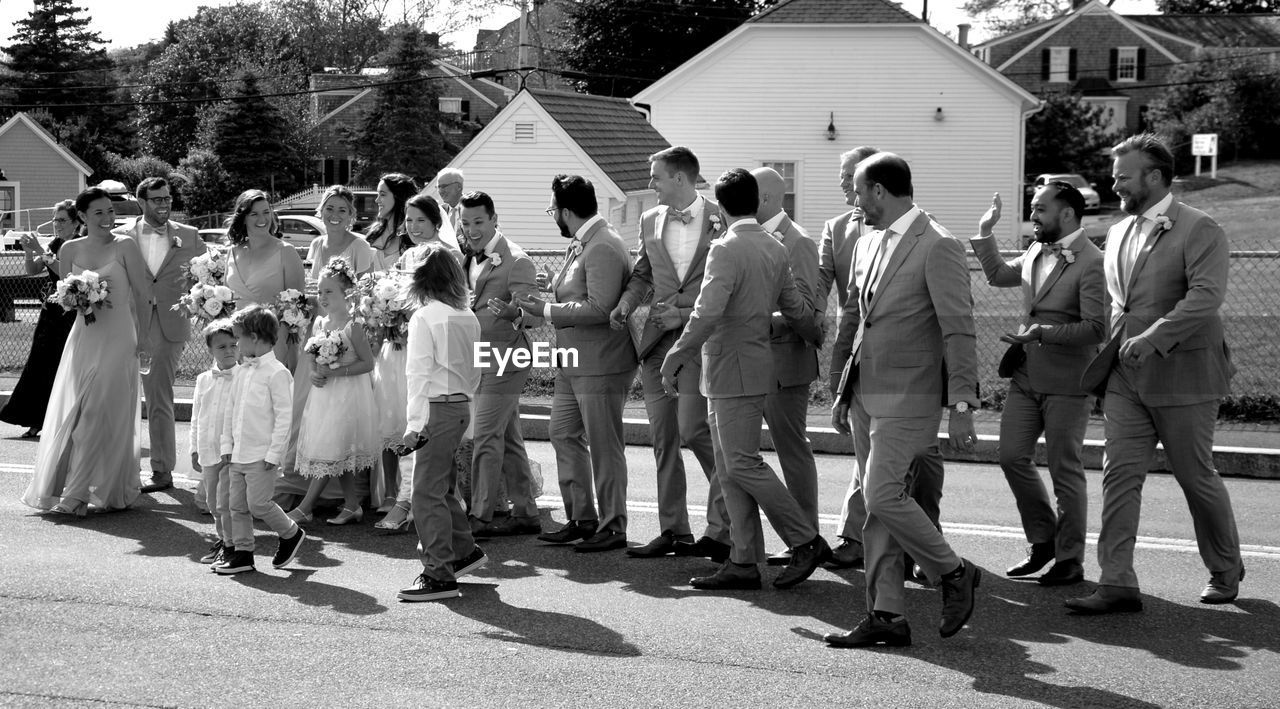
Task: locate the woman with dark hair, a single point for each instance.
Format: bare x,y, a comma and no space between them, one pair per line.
422,224
386,235
90,451
30,395
259,264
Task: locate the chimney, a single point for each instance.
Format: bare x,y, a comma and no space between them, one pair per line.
963,35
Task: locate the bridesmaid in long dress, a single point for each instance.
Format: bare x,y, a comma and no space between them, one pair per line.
89,453
30,397
386,235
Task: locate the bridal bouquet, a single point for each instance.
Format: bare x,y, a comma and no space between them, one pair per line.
383,303
83,292
209,268
326,348
294,312
207,301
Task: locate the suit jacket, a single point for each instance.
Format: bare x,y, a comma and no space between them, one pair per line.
169,284
1172,299
514,276
914,350
589,285
654,275
1072,299
834,265
747,278
795,362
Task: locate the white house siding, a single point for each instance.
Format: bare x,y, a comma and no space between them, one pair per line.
518,176
44,174
769,94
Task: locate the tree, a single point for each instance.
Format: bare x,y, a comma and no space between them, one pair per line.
622,46
401,130
205,187
1226,93
1003,16
131,171
251,141
331,33
1067,135
1216,7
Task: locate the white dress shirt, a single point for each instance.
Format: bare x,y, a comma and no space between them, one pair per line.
891,238
682,239
154,244
577,239
256,425
208,413
1136,241
473,271
771,225
440,359
1045,263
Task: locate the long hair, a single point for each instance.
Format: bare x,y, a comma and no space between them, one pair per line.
439,277
430,207
237,233
342,193
402,187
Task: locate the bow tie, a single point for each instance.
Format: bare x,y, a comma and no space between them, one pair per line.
682,214
251,362
479,256
148,229
222,373
1055,249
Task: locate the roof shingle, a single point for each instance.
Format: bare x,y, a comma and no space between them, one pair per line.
1260,30
846,12
610,131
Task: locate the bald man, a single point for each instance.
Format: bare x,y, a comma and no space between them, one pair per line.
795,361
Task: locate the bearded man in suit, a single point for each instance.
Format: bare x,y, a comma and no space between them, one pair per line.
1163,372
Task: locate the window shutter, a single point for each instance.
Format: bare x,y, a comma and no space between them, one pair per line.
1114,72
1044,64
1071,65
1142,63
466,110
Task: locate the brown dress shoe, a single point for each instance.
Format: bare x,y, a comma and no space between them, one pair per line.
1063,573
1038,557
662,545
604,540
159,481
572,531
805,559
958,596
705,547
1107,599
847,554
1223,587
874,631
729,577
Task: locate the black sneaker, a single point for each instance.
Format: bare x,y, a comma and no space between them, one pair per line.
470,562
222,557
215,551
237,562
288,549
425,588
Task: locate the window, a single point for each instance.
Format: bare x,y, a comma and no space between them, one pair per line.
788,172
1127,64
1059,64
8,206
525,133
451,105
337,171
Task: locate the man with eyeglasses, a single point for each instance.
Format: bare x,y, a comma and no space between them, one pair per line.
167,247
449,184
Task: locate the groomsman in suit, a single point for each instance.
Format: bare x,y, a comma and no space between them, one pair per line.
1064,304
166,246
1163,371
586,411
747,279
795,361
449,185
834,265
914,348
674,239
498,272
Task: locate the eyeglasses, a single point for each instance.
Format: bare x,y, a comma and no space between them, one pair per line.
450,184
160,200
551,211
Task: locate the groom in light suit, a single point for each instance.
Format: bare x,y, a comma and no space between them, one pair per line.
1163,372
166,246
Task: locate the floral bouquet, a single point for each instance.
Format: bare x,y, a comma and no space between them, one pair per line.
207,301
326,348
294,311
383,304
82,292
209,268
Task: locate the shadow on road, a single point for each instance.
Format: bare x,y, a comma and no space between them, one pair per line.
527,626
299,586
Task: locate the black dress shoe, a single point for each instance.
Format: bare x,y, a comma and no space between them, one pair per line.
661,545
1107,599
1038,557
705,547
847,554
782,558
514,525
604,540
874,631
805,559
572,531
1223,587
1063,573
958,596
729,577
159,481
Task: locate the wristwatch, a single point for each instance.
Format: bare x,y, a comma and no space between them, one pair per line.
961,407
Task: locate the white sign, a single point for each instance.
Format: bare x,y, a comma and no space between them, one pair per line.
1204,144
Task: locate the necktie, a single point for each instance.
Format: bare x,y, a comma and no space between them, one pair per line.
682,214
223,373
1129,251
874,273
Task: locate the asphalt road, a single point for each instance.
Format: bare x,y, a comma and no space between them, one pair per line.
114,610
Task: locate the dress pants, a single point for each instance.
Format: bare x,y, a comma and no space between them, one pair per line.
1187,434
499,448
1063,420
786,412
217,488
673,421
895,523
749,484
925,477
586,432
252,488
158,389
444,534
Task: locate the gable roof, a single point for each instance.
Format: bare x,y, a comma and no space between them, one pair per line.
73,159
1093,7
859,12
1258,30
609,130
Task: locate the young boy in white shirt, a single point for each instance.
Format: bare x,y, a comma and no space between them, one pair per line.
255,433
208,410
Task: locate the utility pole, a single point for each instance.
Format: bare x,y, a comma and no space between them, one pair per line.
521,55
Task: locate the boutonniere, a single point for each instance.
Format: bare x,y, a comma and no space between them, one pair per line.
47,258
779,236
575,249
1163,223
1065,254
176,241
496,260
716,223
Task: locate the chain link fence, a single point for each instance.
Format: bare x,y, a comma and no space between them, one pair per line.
1251,314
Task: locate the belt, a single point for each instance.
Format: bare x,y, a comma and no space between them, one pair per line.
448,399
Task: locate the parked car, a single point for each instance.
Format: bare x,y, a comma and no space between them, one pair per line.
300,229
1087,189
126,205
366,210
214,236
